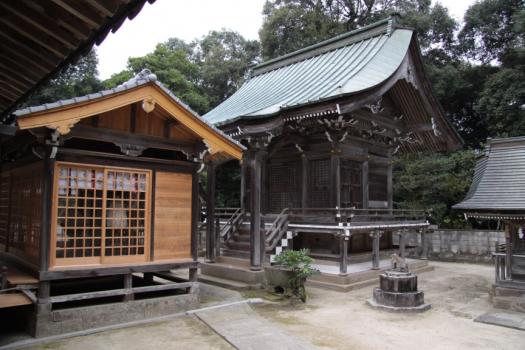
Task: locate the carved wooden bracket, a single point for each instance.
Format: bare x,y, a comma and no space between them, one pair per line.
64,127
148,104
131,149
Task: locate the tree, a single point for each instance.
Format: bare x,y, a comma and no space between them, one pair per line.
223,58
435,181
78,79
493,30
289,25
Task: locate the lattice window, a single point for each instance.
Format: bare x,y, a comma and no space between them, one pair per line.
284,186
101,213
351,184
5,185
319,194
21,193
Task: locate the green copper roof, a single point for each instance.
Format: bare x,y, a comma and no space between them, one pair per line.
347,64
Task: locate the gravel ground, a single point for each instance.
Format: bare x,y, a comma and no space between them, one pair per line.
331,320
458,293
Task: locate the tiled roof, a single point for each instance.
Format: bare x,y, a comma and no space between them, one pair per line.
499,178
347,64
142,78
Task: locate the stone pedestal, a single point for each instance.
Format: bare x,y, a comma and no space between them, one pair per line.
398,292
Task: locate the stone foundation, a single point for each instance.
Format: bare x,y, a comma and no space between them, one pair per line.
96,316
398,292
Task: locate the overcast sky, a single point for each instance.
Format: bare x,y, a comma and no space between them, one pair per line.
190,19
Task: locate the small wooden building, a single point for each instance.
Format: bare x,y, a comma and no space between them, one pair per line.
105,185
497,193
321,126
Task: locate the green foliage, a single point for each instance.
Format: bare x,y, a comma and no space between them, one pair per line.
76,80
298,262
435,181
202,73
493,29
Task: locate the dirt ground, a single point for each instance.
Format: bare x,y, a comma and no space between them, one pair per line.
458,293
331,320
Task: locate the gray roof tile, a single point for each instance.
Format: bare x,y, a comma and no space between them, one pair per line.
499,178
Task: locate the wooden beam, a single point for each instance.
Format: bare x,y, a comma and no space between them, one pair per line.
28,48
364,183
120,137
108,8
81,11
52,45
18,55
63,18
40,22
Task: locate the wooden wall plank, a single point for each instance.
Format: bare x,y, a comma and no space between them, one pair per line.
173,209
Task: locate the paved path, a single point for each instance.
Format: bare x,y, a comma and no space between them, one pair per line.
243,328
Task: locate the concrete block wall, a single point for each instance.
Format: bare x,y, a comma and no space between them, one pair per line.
459,245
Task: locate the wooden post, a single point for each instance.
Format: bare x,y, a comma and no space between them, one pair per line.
389,185
47,199
43,302
335,179
343,266
217,236
364,183
128,285
508,251
243,184
402,243
210,214
304,182
257,242
376,236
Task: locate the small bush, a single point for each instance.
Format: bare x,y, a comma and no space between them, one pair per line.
298,262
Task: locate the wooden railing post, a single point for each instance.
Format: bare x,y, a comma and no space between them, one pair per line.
210,214
376,236
217,236
402,243
508,253
343,266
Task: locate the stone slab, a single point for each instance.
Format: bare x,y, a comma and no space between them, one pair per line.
503,318
243,328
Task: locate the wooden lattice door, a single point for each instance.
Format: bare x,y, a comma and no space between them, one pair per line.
101,215
351,184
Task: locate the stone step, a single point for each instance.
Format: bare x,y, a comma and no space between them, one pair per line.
509,303
235,253
242,246
224,283
233,271
354,280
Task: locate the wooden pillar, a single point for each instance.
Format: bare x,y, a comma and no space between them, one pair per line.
376,236
304,182
43,304
210,214
343,265
47,199
128,284
243,184
402,243
364,183
389,185
217,236
335,179
257,239
508,251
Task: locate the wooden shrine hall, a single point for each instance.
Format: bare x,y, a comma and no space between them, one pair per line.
321,126
99,197
497,193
